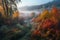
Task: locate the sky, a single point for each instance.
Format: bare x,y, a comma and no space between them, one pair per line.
32,2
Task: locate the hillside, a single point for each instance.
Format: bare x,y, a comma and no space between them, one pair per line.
37,7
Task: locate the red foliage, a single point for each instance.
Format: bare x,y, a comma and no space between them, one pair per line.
47,23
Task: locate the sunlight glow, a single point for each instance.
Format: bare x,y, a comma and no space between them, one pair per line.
32,2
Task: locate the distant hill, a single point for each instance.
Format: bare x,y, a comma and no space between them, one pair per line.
38,7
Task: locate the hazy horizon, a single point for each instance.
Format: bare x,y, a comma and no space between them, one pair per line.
32,2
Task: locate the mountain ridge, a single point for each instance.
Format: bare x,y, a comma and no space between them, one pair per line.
37,7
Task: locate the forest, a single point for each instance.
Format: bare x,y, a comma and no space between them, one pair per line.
44,26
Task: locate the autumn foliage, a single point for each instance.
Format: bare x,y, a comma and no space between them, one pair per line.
48,24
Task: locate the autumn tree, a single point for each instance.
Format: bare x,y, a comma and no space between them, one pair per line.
48,24
7,9
9,6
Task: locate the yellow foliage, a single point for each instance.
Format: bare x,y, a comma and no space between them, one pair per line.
2,11
43,15
54,12
15,15
49,23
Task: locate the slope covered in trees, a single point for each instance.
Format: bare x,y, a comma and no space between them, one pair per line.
48,25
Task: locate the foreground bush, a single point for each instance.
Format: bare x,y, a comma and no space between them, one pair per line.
48,27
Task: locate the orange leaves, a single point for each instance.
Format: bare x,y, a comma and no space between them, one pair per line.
47,18
52,15
54,10
2,11
15,15
54,20
43,15
49,21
